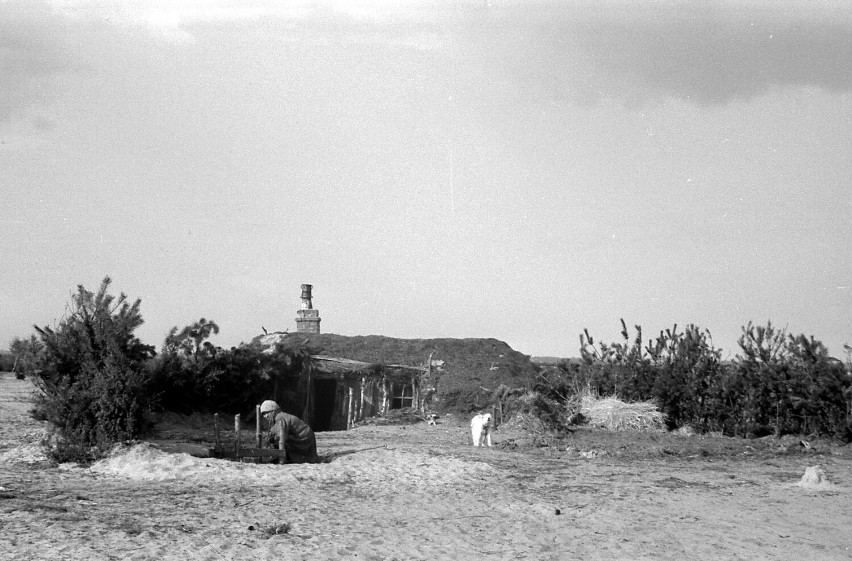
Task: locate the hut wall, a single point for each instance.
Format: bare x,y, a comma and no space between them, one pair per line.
345,412
358,398
372,398
338,418
358,394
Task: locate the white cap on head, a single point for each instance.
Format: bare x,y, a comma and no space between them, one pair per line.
268,406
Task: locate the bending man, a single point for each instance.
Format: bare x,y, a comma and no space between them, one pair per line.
299,440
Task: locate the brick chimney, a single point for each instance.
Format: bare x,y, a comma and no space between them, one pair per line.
307,319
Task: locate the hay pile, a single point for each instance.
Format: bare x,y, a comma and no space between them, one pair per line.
614,414
529,409
528,422
815,478
530,419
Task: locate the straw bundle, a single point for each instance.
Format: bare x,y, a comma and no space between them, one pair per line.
614,414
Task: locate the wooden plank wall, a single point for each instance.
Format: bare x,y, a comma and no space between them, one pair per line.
358,396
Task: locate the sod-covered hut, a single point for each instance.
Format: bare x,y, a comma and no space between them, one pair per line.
342,380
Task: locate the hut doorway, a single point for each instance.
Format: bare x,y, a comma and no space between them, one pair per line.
325,391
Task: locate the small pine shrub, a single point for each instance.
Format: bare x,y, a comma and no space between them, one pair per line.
95,390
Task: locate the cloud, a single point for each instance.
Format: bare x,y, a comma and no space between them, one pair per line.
172,19
701,52
43,42
31,56
716,58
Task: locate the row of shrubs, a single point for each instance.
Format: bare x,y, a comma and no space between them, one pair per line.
100,384
777,383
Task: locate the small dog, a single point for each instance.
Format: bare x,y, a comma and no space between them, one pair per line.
480,429
430,419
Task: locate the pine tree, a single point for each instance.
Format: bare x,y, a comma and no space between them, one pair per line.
92,376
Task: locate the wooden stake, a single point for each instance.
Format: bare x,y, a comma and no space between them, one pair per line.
257,429
216,428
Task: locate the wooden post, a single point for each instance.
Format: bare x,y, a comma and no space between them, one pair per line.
257,429
216,429
361,402
428,381
415,393
349,410
384,396
237,443
366,402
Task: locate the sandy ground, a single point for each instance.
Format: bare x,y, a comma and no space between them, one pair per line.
397,491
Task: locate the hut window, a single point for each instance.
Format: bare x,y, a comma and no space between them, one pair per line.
403,396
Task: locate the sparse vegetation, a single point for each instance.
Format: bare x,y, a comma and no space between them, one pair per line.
98,381
779,384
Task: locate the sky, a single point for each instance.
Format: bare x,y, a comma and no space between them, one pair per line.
518,170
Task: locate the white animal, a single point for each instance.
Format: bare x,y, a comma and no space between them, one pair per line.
480,429
430,419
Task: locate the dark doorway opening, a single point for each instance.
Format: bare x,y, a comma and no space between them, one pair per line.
324,393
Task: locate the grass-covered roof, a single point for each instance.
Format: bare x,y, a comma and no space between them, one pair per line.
472,367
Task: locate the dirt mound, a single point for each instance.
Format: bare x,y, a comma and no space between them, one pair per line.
371,467
815,478
145,462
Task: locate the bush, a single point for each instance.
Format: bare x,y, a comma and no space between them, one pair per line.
25,355
7,362
779,384
90,369
190,374
678,370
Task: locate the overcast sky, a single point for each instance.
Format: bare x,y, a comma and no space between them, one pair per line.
516,170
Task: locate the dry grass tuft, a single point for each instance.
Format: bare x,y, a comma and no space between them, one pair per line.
614,414
275,529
